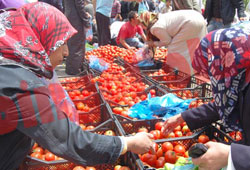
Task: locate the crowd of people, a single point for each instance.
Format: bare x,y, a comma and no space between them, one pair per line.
35,38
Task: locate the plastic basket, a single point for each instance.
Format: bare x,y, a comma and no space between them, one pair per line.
85,91
129,159
91,101
75,82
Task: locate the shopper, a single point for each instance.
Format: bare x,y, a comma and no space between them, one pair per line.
220,13
80,20
223,56
180,31
127,34
186,4
32,43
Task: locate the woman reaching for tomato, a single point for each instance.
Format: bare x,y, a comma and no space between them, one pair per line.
224,57
32,43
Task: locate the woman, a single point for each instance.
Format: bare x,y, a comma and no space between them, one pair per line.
180,31
223,56
32,43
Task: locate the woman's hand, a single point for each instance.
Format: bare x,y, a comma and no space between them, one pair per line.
215,158
140,143
171,123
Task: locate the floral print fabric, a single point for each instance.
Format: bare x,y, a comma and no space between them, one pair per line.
224,56
29,34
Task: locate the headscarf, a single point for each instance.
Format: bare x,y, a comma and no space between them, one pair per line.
30,34
224,55
146,18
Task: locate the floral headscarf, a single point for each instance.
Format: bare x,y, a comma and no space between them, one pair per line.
147,17
224,55
30,34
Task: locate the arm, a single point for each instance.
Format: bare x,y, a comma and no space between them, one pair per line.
162,35
240,156
124,44
82,12
200,116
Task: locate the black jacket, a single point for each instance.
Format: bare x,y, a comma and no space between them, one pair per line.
207,113
228,8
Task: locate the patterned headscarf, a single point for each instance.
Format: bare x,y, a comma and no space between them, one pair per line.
146,18
224,55
30,34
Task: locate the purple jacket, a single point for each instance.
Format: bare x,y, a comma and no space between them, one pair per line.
11,3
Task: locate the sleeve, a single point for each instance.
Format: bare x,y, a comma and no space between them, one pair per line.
240,156
80,7
118,7
162,35
46,124
240,6
201,116
230,165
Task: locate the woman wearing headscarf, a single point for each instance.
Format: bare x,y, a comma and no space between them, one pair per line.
224,57
180,31
32,43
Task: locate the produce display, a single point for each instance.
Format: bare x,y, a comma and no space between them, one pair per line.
103,100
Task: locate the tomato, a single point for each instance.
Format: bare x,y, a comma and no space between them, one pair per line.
145,157
49,156
125,168
79,168
90,168
109,133
185,129
159,125
152,160
152,92
117,110
34,146
155,146
117,167
159,153
156,134
160,162
203,139
36,155
177,128
179,150
82,126
38,150
89,127
178,133
170,157
143,129
166,146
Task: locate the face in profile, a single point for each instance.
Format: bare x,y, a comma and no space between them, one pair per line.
56,57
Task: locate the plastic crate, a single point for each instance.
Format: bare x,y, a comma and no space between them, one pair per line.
76,82
91,101
128,159
95,116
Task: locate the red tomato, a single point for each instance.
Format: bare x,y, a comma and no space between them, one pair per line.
156,134
177,128
143,129
49,156
160,162
159,125
170,157
152,91
178,133
36,155
155,146
203,139
179,150
90,168
79,168
159,153
117,167
166,146
38,150
34,146
152,160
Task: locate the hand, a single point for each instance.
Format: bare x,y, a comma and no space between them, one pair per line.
171,123
140,143
215,158
132,48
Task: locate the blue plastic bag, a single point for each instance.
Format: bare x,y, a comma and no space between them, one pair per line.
165,106
97,63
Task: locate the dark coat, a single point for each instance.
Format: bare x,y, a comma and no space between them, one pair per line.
228,8
207,113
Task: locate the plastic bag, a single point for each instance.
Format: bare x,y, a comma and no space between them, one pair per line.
144,57
181,164
165,106
61,98
97,64
143,6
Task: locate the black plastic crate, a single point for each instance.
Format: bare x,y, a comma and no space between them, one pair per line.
83,92
75,82
91,101
95,116
129,159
